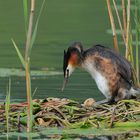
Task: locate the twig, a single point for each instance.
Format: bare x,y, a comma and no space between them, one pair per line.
60,112
112,116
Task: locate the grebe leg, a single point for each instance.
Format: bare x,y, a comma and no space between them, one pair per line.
105,101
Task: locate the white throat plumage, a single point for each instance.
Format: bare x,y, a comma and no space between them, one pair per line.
69,70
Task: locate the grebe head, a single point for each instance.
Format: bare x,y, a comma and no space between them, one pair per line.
72,59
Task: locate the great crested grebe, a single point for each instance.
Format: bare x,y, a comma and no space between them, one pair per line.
111,71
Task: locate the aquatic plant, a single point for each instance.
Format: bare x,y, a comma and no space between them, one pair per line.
136,14
115,41
7,105
127,20
30,39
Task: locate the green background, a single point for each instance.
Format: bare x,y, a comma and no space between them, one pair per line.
61,23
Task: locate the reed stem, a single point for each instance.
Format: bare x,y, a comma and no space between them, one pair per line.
127,31
119,21
124,17
27,67
112,26
137,43
7,105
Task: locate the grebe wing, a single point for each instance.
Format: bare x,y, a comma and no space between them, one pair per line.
124,67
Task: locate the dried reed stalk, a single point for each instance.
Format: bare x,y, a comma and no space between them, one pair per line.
112,26
119,21
127,31
124,17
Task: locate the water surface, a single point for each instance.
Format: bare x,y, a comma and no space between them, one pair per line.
80,87
61,23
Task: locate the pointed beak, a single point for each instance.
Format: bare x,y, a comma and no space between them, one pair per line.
64,83
65,80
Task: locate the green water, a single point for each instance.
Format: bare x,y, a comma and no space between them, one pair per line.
61,23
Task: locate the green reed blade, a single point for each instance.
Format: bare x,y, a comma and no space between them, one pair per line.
7,105
19,53
25,9
35,28
131,47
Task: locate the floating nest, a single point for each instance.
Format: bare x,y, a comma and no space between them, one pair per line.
55,112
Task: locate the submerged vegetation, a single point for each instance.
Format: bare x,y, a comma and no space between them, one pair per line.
30,39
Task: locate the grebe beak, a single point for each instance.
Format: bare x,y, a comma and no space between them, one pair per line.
65,80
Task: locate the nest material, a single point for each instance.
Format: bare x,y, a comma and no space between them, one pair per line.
55,112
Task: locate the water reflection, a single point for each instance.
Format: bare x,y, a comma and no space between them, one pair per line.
30,136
